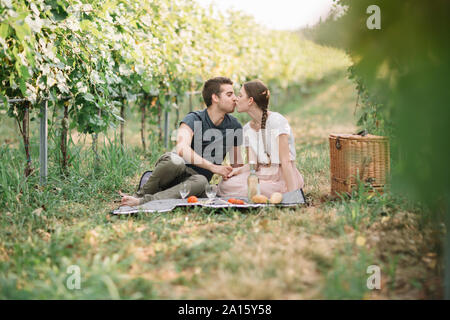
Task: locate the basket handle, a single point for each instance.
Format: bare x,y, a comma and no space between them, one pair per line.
338,144
363,133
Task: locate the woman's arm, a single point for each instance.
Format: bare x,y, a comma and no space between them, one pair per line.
252,157
236,155
285,160
245,167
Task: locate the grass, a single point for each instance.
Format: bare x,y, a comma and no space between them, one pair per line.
319,251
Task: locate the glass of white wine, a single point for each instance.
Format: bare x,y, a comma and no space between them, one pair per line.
185,189
211,191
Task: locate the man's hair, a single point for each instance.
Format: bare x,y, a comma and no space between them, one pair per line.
212,86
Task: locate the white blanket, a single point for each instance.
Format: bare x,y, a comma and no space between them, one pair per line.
290,199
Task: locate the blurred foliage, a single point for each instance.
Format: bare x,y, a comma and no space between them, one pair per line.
401,72
404,66
326,31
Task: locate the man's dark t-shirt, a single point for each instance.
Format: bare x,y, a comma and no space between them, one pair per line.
212,142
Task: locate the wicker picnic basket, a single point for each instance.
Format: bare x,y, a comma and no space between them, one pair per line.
360,155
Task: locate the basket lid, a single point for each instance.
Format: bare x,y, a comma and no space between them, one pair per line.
356,136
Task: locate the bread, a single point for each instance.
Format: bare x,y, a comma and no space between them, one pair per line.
276,197
259,198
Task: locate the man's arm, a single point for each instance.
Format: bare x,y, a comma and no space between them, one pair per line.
184,150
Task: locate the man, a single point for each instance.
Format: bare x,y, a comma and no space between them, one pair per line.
203,139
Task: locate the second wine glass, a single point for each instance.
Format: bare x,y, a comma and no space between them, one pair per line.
211,191
185,189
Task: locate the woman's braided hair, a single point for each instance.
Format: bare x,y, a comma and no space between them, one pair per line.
257,90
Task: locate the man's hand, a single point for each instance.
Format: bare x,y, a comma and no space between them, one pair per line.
234,172
128,200
224,171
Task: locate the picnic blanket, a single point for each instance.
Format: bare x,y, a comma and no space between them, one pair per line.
290,199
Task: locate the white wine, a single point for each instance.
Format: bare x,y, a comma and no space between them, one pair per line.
252,183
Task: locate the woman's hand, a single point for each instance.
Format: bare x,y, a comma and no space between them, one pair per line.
234,172
224,171
128,200
239,170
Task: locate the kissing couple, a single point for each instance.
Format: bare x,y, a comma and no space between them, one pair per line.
205,137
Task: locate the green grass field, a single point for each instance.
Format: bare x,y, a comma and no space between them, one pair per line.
319,251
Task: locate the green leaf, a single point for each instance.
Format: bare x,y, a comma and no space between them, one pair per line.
4,30
146,86
22,30
22,86
118,117
5,104
85,25
89,97
24,73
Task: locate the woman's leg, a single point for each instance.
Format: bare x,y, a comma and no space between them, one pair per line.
235,186
277,184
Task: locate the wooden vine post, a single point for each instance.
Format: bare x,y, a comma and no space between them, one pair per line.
177,113
63,143
95,146
160,135
25,132
166,129
122,123
43,144
143,122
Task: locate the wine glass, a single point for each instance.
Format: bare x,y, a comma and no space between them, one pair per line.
185,189
211,191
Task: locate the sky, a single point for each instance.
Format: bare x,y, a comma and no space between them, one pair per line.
278,14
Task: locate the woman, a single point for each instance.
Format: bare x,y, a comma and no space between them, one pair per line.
269,143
